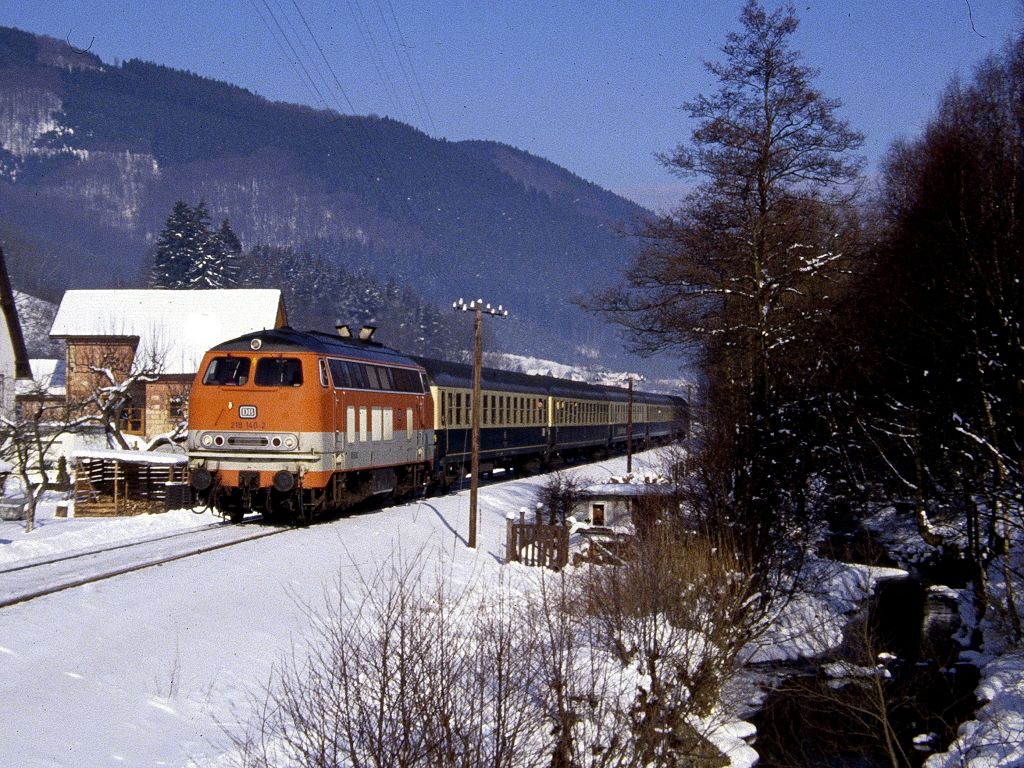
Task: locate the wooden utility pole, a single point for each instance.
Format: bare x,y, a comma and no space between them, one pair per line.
479,309
629,429
689,426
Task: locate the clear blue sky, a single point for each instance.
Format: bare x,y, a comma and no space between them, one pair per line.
594,86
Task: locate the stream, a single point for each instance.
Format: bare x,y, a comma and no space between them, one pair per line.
896,672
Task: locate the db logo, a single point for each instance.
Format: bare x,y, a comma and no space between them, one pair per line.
247,411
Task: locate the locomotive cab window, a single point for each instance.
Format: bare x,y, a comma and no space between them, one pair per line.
227,372
279,372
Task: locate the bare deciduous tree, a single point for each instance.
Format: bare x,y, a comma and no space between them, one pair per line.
28,437
744,270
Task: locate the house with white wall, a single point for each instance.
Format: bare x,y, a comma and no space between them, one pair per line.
163,332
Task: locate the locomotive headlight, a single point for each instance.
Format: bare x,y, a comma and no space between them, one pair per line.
289,442
207,441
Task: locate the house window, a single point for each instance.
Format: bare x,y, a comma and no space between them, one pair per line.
176,407
133,420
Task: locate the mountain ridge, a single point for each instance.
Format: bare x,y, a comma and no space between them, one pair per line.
93,156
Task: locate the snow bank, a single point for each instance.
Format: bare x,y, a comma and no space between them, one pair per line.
995,739
812,622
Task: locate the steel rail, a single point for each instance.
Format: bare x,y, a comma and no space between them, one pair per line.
77,581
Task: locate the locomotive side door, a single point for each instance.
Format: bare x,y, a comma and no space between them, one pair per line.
337,421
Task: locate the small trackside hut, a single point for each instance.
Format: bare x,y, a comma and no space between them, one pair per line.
291,424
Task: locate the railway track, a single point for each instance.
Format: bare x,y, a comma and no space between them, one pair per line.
26,581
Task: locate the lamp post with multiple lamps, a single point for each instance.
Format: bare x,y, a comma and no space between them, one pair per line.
479,309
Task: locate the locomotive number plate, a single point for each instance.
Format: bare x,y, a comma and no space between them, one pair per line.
247,411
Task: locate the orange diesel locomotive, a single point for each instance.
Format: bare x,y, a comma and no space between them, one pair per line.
291,423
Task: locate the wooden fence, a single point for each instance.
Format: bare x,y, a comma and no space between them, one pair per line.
119,483
536,544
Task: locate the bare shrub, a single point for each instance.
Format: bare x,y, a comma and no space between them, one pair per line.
412,675
558,496
608,667
677,615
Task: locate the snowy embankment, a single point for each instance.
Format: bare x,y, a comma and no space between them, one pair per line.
152,668
996,737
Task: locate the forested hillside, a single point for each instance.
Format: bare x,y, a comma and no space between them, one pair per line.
94,156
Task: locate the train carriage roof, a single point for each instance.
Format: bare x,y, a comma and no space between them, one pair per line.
290,340
440,372
460,375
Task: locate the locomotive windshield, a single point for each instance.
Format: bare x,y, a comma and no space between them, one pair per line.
227,372
279,372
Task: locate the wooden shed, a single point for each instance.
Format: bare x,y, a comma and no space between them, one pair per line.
616,503
112,483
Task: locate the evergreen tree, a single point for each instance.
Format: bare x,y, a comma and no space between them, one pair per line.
178,240
190,255
228,239
218,264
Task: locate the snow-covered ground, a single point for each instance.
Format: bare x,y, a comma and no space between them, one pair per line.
148,669
154,667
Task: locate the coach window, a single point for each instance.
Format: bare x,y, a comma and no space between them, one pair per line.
279,372
323,373
227,372
405,380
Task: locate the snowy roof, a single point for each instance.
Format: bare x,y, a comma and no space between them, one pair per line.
48,375
608,490
174,327
132,457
